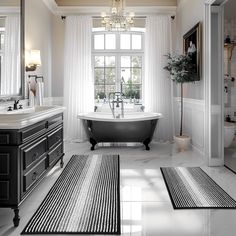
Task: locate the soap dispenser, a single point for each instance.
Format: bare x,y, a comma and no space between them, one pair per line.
227,39
228,119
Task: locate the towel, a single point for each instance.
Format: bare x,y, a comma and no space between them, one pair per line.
39,93
31,99
31,95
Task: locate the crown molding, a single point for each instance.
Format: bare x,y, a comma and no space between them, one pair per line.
9,10
51,5
96,10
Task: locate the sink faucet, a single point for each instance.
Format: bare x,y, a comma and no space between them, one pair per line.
15,105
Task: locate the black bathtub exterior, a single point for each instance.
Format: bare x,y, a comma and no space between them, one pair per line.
130,131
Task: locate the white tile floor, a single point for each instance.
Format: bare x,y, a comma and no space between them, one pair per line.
145,205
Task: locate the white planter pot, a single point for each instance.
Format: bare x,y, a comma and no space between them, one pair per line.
182,142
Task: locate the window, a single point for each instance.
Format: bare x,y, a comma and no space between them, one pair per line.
118,64
2,33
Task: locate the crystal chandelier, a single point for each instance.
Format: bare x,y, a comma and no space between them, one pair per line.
118,19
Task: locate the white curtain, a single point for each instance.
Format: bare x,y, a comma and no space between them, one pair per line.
157,86
10,72
78,82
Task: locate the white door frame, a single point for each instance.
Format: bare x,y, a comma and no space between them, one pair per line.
213,157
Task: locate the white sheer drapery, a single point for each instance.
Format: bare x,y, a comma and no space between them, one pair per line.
78,82
157,86
10,72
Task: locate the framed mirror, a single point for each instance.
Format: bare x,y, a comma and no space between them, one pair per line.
11,50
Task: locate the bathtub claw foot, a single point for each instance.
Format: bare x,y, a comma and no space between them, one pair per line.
93,142
146,142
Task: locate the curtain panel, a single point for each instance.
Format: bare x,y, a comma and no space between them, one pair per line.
158,95
78,81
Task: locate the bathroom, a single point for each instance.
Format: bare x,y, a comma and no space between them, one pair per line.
229,86
146,208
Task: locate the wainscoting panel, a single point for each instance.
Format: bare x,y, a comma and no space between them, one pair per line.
53,101
193,123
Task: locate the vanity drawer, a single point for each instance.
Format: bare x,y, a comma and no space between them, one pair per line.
55,121
33,131
55,137
33,152
56,153
34,174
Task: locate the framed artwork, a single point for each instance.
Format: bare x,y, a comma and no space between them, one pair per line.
192,45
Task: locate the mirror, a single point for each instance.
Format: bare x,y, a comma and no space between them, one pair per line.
11,48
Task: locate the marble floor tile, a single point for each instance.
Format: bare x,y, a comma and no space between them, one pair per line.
159,218
146,208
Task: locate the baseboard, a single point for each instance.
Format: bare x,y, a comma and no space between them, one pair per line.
200,151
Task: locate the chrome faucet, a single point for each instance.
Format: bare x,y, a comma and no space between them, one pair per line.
121,84
116,98
15,107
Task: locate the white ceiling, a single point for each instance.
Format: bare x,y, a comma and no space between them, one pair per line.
9,3
108,2
95,7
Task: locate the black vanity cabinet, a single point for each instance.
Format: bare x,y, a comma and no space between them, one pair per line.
26,155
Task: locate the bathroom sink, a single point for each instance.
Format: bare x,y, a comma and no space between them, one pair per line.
19,111
22,117
26,110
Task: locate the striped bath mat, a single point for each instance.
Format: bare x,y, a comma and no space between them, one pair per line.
191,187
85,199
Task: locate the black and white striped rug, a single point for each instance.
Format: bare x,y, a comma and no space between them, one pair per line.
191,187
85,199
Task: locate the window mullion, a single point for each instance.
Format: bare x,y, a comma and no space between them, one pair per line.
118,72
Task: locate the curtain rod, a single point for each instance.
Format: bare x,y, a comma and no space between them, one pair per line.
99,17
136,17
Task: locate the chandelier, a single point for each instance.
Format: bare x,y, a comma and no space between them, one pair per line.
118,19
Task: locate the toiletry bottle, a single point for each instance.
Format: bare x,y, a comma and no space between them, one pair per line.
227,39
227,118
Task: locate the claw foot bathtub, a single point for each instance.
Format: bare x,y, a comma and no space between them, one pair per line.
133,127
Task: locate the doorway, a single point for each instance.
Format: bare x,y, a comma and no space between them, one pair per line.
214,74
229,35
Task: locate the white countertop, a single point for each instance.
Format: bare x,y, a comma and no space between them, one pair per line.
28,116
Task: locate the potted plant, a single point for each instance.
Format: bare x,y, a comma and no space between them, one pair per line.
182,70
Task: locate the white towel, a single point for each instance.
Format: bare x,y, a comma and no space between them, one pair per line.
31,95
31,99
39,93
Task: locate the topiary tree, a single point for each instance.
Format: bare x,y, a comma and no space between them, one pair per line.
182,70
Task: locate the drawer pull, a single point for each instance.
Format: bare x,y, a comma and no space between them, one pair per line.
34,157
34,176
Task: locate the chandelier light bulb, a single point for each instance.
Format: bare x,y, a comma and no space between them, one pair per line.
103,14
131,14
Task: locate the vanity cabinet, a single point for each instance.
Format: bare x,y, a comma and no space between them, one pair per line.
26,155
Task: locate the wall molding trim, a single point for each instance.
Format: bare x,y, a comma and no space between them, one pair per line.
193,122
96,10
9,10
53,101
199,102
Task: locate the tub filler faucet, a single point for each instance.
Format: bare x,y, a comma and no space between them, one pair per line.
115,101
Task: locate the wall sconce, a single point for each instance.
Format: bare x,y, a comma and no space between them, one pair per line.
32,60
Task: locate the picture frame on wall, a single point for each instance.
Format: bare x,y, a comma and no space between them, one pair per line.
192,46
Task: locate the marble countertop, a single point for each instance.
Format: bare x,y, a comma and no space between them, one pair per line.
28,116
